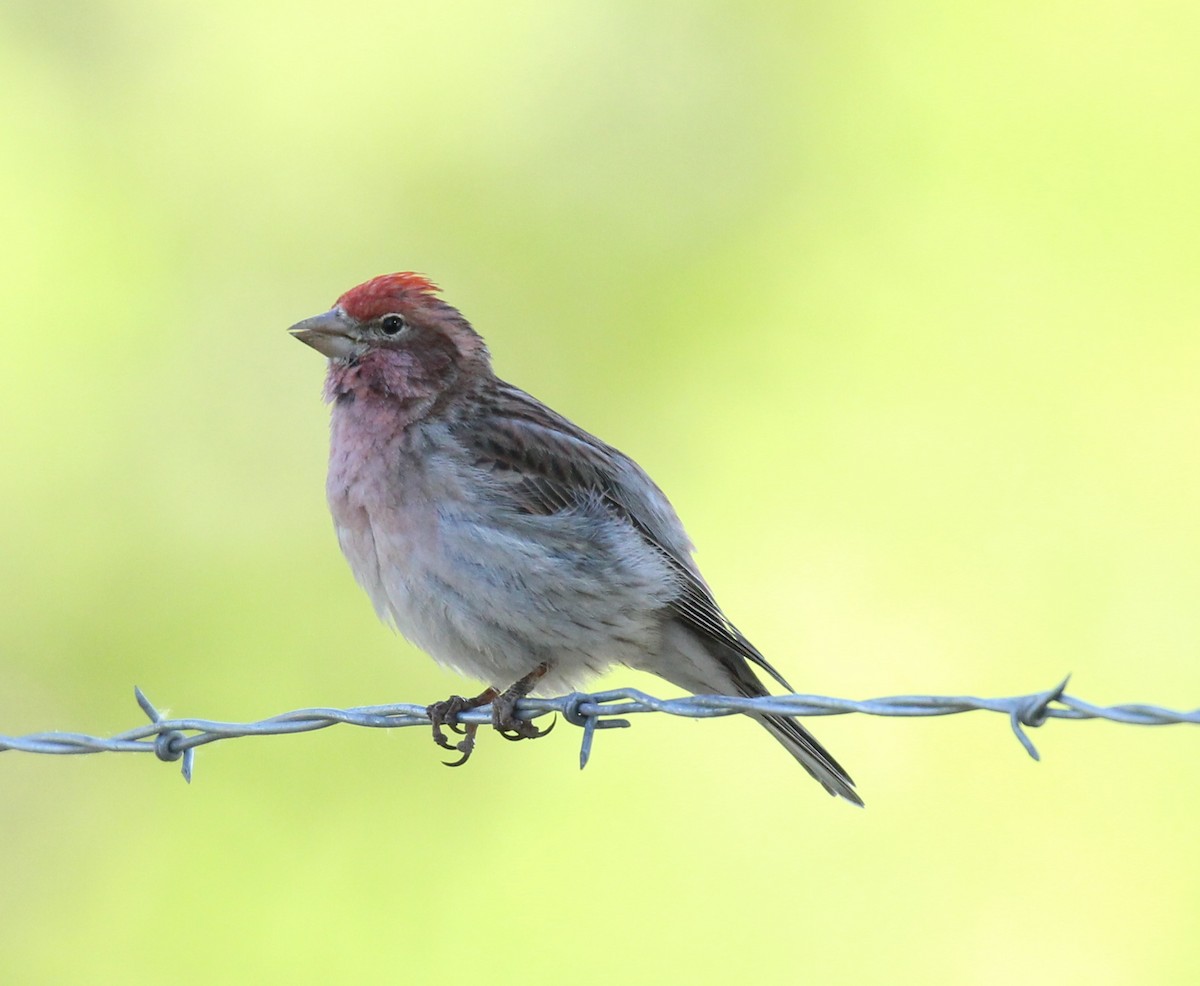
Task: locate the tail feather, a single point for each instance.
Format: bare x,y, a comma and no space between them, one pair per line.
813,757
705,666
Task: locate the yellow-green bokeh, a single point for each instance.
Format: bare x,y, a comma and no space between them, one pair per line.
898,302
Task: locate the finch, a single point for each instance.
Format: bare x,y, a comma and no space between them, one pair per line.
504,540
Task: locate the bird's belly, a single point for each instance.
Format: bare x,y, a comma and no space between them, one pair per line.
493,601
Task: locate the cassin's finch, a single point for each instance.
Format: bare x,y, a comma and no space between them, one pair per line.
501,538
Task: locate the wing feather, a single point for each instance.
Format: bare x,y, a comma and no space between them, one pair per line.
548,465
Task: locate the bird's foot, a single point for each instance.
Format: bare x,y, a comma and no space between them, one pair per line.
504,716
446,714
504,708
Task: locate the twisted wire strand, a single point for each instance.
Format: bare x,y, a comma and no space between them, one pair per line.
177,739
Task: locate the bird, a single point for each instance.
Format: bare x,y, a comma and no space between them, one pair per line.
504,540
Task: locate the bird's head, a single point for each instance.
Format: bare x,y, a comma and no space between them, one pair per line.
393,333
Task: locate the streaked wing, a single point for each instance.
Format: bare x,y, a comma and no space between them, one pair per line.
550,465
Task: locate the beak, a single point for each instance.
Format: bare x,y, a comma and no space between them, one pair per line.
333,333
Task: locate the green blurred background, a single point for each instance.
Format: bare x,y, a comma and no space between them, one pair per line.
898,302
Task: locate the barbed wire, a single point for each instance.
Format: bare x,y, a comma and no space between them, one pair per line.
177,739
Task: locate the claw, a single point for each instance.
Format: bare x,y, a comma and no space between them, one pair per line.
446,714
519,729
466,746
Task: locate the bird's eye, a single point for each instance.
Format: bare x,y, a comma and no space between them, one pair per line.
391,324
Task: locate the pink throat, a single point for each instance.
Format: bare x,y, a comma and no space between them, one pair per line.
386,374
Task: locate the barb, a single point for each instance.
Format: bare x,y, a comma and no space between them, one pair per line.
176,739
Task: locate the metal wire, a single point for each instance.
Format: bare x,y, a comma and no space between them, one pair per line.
176,739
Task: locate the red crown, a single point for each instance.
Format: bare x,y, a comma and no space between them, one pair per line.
381,294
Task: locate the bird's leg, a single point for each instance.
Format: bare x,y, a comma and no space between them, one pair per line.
446,714
504,708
